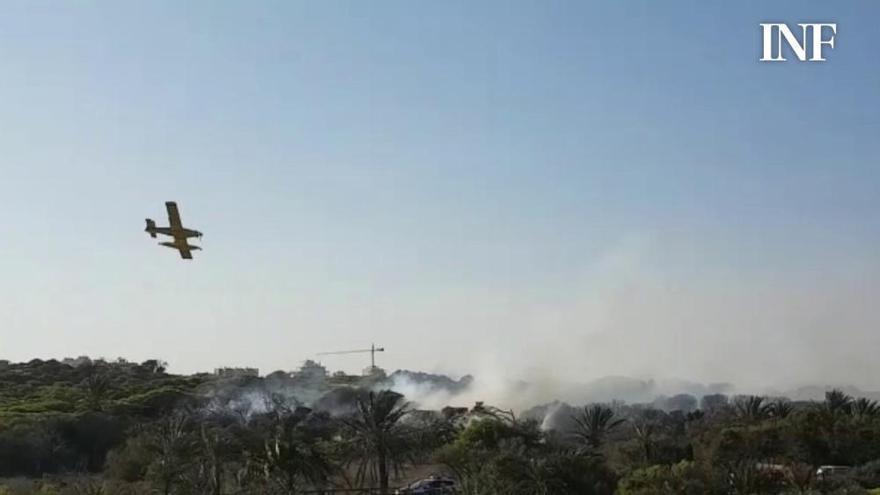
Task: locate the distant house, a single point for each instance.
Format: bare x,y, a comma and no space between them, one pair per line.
374,372
236,372
311,371
343,378
76,362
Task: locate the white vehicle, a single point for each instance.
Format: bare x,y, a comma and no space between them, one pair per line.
824,471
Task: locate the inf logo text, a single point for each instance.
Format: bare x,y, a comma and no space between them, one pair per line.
814,37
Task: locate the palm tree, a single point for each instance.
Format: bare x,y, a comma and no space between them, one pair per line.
646,429
293,455
780,408
744,477
378,437
837,402
593,424
214,447
172,447
752,408
97,387
831,412
865,408
800,475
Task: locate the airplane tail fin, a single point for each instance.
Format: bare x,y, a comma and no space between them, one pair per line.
151,228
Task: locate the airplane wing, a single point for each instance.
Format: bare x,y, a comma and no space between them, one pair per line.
185,253
183,248
173,215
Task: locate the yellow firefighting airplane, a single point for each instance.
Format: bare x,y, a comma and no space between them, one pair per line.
176,230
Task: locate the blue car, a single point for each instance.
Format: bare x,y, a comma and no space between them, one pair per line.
435,485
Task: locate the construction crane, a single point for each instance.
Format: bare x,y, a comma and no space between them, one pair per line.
372,350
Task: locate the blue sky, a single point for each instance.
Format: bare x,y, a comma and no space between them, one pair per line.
474,185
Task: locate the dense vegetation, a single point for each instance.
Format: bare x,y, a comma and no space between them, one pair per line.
124,428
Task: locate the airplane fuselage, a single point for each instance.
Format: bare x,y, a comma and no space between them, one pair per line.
176,233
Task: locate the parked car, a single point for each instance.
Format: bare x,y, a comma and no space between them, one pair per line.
825,471
435,485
